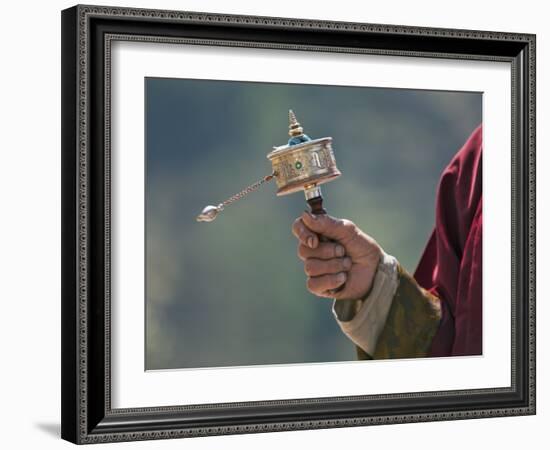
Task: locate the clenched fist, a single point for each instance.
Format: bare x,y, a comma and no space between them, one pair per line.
350,258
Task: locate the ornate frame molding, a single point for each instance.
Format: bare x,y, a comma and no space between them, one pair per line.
86,214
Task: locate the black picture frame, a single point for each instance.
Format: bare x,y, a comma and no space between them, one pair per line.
87,416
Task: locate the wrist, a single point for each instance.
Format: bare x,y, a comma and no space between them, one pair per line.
380,261
383,283
363,319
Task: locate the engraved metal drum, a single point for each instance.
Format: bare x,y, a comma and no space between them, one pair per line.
301,166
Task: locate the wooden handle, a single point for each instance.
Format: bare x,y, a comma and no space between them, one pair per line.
316,205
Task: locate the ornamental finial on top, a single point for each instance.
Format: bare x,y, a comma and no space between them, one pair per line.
294,128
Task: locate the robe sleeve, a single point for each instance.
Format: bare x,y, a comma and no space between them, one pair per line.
412,321
397,318
362,320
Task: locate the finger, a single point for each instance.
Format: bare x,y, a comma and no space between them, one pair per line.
318,285
316,267
325,250
304,235
341,230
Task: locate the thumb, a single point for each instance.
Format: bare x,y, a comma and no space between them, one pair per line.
338,229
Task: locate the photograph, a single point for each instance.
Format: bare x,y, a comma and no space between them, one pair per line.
400,242
274,224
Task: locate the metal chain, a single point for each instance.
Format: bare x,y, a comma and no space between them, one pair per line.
248,189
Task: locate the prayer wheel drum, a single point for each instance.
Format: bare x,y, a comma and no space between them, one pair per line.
303,165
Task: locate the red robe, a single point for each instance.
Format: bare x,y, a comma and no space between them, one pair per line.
450,267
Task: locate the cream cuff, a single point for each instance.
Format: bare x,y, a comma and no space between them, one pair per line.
363,321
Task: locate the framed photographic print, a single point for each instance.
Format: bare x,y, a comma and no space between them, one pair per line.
278,224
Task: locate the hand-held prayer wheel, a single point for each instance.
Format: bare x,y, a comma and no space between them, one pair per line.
302,164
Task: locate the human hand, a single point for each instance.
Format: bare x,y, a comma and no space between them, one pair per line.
350,258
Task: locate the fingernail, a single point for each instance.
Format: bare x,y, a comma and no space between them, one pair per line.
347,263
340,251
341,277
310,241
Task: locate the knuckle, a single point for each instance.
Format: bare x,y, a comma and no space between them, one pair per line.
329,250
337,264
337,279
331,281
297,226
350,229
310,283
309,266
348,224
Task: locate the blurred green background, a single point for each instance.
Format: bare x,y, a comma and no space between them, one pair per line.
232,292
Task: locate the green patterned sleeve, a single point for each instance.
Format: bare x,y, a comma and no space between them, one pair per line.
411,323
